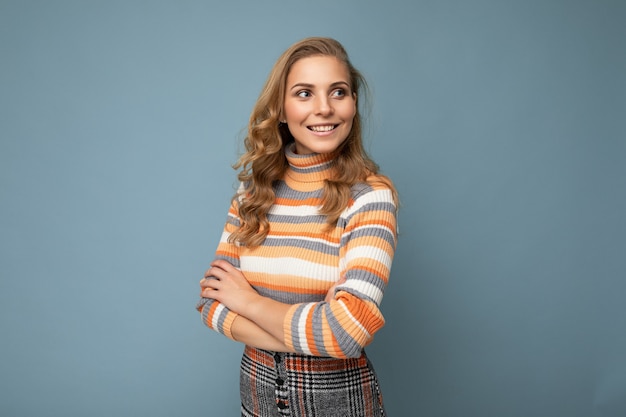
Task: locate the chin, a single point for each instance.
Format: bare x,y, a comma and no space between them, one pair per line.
320,147
306,150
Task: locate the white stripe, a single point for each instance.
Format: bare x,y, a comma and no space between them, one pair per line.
304,343
378,196
372,226
216,315
301,211
369,252
289,266
224,237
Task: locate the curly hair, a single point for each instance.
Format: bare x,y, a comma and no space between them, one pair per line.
264,162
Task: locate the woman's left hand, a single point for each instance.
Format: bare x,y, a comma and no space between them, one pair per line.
226,284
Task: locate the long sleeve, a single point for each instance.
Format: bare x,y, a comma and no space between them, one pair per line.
345,325
214,314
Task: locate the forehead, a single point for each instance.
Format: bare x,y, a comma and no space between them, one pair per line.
318,69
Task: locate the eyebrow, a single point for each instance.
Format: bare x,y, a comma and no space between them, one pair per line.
307,85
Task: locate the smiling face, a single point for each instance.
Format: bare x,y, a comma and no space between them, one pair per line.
319,104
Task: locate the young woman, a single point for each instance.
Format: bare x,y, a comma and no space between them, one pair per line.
305,255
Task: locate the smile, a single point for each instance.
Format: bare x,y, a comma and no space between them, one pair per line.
325,128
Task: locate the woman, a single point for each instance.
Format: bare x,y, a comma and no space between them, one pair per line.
306,252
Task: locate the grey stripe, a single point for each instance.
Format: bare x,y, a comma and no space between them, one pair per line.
378,232
281,188
233,261
234,221
318,330
288,297
365,276
295,219
318,168
360,189
295,340
319,246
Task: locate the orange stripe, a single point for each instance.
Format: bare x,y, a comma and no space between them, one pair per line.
301,287
391,225
281,201
309,333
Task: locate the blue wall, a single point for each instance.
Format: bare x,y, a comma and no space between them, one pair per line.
501,122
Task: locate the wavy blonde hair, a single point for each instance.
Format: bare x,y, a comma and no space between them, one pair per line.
264,162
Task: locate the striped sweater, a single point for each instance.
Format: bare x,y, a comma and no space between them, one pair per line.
301,259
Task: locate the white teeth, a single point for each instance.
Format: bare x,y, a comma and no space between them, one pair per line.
322,128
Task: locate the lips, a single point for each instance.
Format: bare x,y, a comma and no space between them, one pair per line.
322,128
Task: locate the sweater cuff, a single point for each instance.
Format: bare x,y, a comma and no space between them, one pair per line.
288,327
217,317
227,324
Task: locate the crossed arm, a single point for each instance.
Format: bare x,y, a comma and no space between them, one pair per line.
343,323
259,322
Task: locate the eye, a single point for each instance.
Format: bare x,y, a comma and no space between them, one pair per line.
340,92
303,94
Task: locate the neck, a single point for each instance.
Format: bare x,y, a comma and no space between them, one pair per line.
308,172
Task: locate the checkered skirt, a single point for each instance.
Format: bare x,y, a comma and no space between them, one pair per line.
289,384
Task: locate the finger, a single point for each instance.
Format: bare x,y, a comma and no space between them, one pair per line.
208,293
217,273
222,264
209,283
216,266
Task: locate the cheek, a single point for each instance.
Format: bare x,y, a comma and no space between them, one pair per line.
349,112
293,113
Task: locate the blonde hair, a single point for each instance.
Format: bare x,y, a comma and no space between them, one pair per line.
264,162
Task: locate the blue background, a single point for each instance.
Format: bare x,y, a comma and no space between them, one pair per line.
501,122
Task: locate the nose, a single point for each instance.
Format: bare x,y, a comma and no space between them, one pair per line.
323,106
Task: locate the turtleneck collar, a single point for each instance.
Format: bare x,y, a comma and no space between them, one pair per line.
307,172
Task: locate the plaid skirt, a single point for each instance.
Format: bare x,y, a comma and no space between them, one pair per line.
289,384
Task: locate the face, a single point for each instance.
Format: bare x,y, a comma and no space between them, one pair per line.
319,105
